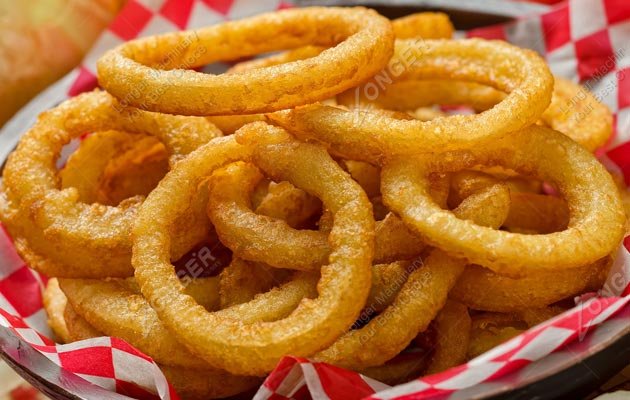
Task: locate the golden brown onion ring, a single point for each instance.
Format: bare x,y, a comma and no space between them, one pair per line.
427,25
53,230
371,137
259,237
573,110
596,222
150,73
242,280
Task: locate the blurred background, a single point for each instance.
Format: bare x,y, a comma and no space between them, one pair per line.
41,40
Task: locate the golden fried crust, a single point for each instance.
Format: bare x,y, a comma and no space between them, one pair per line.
362,40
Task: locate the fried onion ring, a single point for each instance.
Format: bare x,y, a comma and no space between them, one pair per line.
366,136
426,25
573,110
362,40
54,231
596,221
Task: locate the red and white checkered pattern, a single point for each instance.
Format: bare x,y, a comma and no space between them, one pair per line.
585,40
297,378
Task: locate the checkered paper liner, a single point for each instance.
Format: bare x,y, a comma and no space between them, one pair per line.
583,40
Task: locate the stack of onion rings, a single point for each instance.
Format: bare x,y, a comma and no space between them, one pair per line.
377,230
351,237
